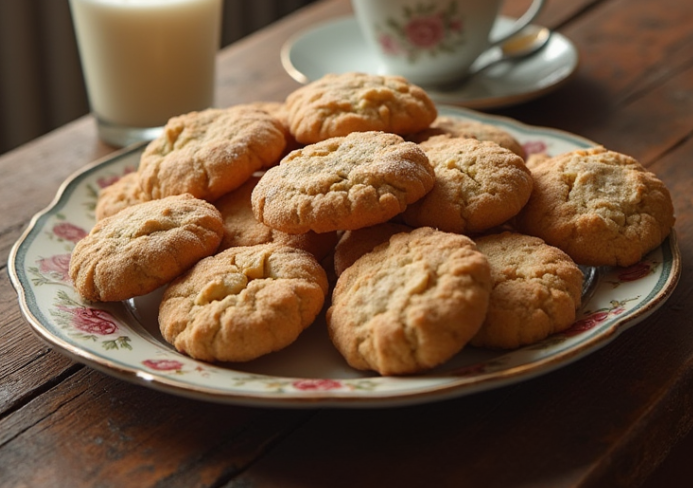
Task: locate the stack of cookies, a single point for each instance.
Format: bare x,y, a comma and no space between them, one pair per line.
432,233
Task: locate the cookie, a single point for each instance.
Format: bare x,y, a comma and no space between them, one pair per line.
410,304
355,243
243,303
456,127
339,104
536,158
601,207
123,193
210,153
242,229
343,183
143,247
279,112
536,291
479,185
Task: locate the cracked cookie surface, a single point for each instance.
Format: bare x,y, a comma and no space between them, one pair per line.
343,183
143,247
242,229
601,207
537,290
479,185
411,303
210,153
339,104
243,302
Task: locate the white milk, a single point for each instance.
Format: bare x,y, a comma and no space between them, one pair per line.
145,61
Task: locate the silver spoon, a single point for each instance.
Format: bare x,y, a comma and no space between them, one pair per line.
528,41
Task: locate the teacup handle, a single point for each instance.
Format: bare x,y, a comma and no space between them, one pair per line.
522,22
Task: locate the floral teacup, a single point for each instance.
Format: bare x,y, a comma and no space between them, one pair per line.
432,41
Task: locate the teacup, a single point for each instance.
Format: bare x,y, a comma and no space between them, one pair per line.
433,42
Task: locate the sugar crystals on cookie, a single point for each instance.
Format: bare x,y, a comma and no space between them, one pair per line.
144,246
536,291
343,183
411,303
339,104
479,185
211,152
243,303
601,207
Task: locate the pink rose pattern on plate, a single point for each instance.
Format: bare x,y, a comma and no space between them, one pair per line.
69,232
163,364
308,385
80,320
534,147
88,323
316,384
422,30
596,317
52,270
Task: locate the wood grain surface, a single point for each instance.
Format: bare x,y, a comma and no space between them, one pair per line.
607,420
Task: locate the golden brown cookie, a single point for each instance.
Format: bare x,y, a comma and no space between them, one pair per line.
355,243
470,129
242,229
122,194
537,290
601,207
143,247
479,185
243,302
411,303
343,183
339,104
536,158
210,153
279,112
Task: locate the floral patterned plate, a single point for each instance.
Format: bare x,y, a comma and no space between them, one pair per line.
122,339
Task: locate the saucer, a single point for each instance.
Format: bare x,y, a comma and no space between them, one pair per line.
337,46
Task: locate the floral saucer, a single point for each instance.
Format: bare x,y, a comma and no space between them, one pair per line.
338,46
122,339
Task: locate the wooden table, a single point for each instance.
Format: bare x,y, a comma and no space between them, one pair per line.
607,420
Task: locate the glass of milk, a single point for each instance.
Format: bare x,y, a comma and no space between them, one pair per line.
145,61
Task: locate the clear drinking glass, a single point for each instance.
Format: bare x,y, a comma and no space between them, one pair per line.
145,61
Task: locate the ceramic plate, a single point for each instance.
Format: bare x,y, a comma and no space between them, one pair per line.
122,339
337,46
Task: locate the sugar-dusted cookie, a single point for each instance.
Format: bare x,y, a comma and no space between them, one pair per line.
601,207
411,303
144,246
536,158
458,127
279,112
536,292
479,185
355,243
210,153
243,302
242,229
339,104
122,194
343,183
